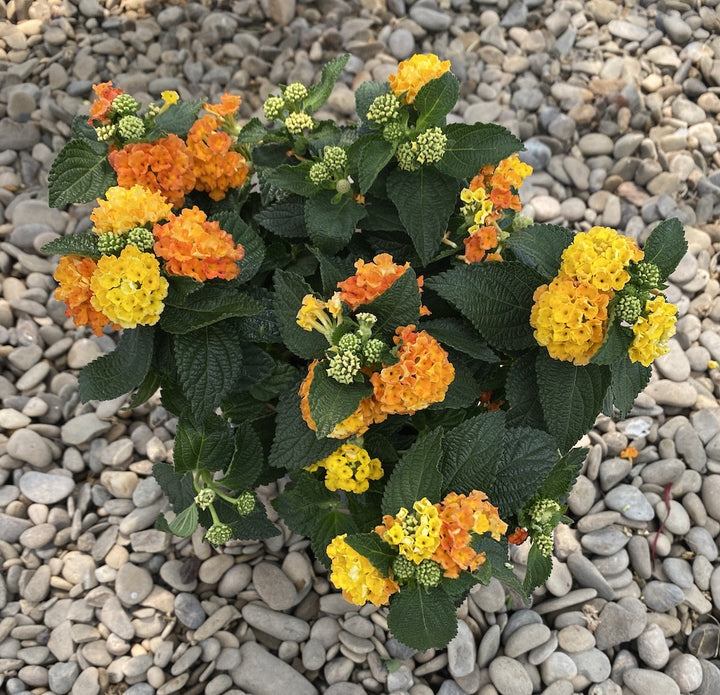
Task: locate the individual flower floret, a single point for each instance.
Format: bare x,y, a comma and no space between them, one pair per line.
73,275
480,243
131,127
273,107
126,208
353,573
245,503
169,97
218,534
297,122
600,257
129,289
653,330
228,106
570,319
415,73
420,378
164,166
317,315
102,105
416,533
384,109
370,280
192,246
349,468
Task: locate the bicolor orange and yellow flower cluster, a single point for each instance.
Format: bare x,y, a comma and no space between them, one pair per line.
416,533
349,468
370,280
102,105
413,74
126,208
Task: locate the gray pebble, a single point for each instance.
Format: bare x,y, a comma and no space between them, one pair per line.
45,488
662,596
652,648
630,502
644,682
509,677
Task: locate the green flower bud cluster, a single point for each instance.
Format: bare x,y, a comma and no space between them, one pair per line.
403,569
344,366
542,517
105,132
245,503
319,174
520,222
142,238
297,122
218,534
205,497
384,109
430,145
647,274
393,132
544,543
153,110
343,186
406,158
365,323
335,158
295,92
372,350
273,107
111,244
428,573
125,105
131,127
628,308
350,343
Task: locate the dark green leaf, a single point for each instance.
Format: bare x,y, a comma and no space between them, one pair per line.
289,292
331,402
79,174
495,297
254,527
435,100
82,130
185,523
375,549
261,328
120,371
178,487
416,475
275,383
318,94
332,271
563,475
615,346
399,305
243,234
422,618
666,246
366,93
523,395
147,388
208,364
628,379
540,246
382,216
472,453
464,390
84,244
178,118
255,366
460,335
252,132
247,461
571,397
471,147
285,218
425,199
332,524
368,156
208,443
331,224
294,179
496,554
303,502
538,569
243,407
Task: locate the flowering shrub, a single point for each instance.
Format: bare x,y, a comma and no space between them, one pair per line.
362,312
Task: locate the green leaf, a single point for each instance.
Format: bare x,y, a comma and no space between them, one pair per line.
425,199
82,130
563,475
178,487
208,443
615,346
262,327
295,444
538,569
375,549
472,452
471,147
523,395
243,407
247,461
276,382
79,174
84,244
628,379
416,475
458,588
185,523
147,388
120,371
331,402
496,554
254,527
303,501
495,297
368,156
253,132
666,246
399,305
365,94
255,366
331,224
540,246
178,118
332,271
464,390
422,618
208,364
294,179
528,457
289,292
571,397
207,306
332,524
435,100
243,234
318,94
460,335
285,218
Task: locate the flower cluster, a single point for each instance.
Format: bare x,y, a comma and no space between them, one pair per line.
416,533
349,468
126,208
541,516
413,74
653,330
370,280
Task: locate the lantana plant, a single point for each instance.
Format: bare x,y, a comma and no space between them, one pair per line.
361,312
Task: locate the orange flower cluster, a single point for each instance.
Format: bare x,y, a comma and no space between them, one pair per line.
462,515
73,275
216,166
164,165
419,379
192,246
228,106
479,245
370,280
100,109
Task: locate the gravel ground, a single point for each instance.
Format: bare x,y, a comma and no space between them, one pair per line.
618,105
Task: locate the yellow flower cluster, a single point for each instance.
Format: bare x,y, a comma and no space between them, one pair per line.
129,289
349,468
570,318
126,208
313,314
353,573
413,74
600,257
416,534
651,333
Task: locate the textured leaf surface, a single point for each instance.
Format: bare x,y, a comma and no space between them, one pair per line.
247,461
563,475
460,335
80,173
435,100
319,93
243,234
368,156
538,569
615,346
331,224
185,523
303,502
285,218
84,244
208,443
628,379
375,549
422,618
178,487
666,246
293,179
332,524
541,246
523,394
399,305
179,118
